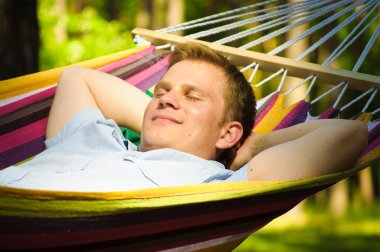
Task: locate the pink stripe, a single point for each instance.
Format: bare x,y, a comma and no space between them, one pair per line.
127,60
27,101
22,152
328,113
51,91
145,74
23,135
267,109
152,80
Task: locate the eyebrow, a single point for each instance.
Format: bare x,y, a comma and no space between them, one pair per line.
162,84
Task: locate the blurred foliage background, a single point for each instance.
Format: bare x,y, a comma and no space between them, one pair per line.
43,34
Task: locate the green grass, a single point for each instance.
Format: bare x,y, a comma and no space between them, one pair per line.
320,231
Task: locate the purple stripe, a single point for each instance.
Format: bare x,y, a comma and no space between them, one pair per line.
292,115
301,114
21,152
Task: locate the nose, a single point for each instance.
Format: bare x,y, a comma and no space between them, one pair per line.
169,99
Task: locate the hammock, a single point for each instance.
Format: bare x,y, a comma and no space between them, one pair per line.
207,217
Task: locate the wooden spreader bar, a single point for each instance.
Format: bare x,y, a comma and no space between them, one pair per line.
268,63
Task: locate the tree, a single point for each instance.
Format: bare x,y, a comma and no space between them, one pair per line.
19,35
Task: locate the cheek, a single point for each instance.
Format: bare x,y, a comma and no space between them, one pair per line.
205,116
147,115
149,109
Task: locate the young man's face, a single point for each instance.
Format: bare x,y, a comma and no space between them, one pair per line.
186,110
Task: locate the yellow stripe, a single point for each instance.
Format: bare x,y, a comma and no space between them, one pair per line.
26,83
137,194
34,203
372,155
364,117
274,116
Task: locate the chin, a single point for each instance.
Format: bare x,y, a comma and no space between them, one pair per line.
153,146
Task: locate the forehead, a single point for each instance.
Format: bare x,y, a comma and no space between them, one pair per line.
196,73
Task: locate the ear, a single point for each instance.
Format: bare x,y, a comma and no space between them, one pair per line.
230,134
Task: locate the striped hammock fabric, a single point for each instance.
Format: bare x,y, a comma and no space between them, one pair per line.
206,217
24,116
214,216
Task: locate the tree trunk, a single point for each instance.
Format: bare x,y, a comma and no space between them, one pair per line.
144,15
175,13
112,7
339,198
60,29
159,14
366,185
78,6
19,35
292,52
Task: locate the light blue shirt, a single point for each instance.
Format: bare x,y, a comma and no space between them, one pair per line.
91,154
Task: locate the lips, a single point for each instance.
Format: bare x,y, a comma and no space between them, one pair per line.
161,117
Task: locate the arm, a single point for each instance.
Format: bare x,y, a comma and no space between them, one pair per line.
80,88
305,150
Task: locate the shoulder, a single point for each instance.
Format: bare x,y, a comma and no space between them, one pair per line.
88,128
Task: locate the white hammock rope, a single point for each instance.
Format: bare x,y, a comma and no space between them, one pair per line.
348,40
359,15
206,23
296,14
340,96
248,67
236,24
170,28
282,80
338,28
270,77
366,49
310,87
328,92
299,84
376,111
374,5
284,15
359,63
357,99
315,28
369,101
253,73
355,69
314,15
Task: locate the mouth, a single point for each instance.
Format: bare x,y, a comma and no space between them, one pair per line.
165,118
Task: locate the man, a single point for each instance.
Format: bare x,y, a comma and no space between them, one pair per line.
202,110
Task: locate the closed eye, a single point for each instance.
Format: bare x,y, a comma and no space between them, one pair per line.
193,96
158,92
